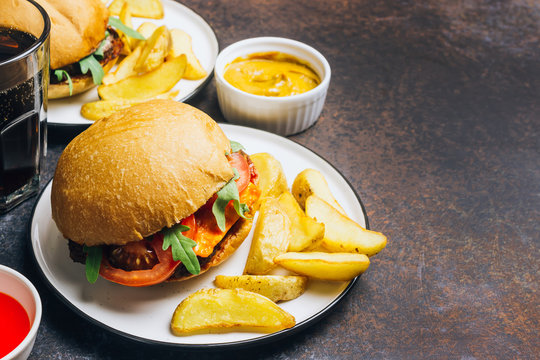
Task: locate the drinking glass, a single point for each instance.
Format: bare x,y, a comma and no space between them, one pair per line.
24,78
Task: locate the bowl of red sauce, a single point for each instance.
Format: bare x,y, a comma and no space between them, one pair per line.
20,315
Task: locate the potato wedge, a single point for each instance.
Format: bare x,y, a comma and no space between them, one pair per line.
125,68
116,6
147,85
270,238
275,287
99,109
311,181
341,233
146,29
272,180
222,310
154,51
305,232
182,44
324,266
125,18
152,9
125,15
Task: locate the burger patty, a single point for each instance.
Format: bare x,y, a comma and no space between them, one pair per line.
76,253
111,50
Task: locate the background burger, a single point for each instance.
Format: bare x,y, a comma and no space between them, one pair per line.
155,192
82,47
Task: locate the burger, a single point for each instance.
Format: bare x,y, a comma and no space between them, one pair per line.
82,45
153,193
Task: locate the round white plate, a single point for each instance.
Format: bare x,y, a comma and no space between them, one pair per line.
144,314
67,111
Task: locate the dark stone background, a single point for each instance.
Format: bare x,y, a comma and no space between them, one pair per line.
433,116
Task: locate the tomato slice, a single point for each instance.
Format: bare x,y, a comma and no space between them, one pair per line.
239,162
159,273
192,224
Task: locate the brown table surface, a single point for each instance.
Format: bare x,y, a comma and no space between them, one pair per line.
432,115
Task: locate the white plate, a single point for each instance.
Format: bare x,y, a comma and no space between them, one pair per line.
67,111
144,314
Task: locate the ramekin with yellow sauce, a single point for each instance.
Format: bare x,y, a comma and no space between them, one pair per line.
275,84
271,73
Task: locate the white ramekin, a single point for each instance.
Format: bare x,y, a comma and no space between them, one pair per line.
281,115
21,289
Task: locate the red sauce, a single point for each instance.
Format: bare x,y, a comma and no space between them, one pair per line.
14,324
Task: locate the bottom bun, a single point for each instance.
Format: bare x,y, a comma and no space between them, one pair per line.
228,245
81,84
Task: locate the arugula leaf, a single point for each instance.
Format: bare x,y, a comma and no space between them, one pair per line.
60,75
236,146
91,63
118,24
101,48
224,196
181,247
93,262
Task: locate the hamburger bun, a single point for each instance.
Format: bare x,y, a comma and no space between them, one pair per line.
77,29
138,171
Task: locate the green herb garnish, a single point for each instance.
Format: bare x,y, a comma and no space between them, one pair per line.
118,24
92,64
181,247
224,196
93,262
236,146
60,75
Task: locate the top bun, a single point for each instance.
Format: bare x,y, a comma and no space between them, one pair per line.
140,170
77,28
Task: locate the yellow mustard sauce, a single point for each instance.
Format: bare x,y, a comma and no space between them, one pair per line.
271,74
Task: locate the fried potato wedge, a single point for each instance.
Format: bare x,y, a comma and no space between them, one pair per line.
182,44
272,180
147,85
97,110
125,18
270,238
154,50
311,181
324,266
146,29
152,9
125,68
305,233
341,233
225,310
275,287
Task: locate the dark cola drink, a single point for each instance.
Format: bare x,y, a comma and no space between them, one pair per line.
21,112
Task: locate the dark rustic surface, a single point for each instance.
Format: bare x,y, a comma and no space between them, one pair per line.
433,116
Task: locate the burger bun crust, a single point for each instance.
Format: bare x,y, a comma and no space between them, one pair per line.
77,29
138,171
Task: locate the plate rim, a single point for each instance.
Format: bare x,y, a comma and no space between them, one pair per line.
263,339
188,97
